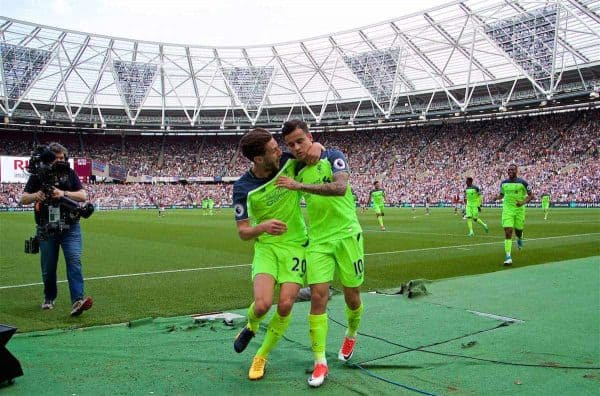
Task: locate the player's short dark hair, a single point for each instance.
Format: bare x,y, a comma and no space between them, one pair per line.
469,180
291,125
253,143
375,182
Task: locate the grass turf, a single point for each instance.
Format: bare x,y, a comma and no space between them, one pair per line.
211,268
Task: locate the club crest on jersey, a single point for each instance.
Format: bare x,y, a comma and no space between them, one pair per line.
339,164
239,209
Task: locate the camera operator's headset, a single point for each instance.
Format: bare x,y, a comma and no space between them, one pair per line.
37,209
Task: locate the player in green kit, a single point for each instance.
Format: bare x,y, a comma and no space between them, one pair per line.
204,206
272,217
211,206
472,203
545,204
378,201
515,194
336,242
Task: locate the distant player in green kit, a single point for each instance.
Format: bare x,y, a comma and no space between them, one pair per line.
472,204
272,217
335,242
515,194
204,206
545,204
211,206
378,202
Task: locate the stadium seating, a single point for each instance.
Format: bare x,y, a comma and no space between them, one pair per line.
556,153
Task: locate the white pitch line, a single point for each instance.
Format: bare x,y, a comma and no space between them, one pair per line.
479,244
247,265
135,274
387,231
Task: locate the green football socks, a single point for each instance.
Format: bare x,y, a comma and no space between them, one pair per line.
253,320
275,330
507,246
353,317
317,325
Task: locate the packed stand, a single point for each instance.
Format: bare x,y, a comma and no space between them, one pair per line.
557,154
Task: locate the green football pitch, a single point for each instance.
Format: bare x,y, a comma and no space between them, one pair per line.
139,265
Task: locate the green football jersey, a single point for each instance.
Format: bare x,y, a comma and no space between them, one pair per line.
271,202
546,198
329,217
473,196
378,197
513,191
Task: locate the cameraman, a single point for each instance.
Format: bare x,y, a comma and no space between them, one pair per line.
69,239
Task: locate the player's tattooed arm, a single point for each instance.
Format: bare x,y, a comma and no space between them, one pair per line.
337,187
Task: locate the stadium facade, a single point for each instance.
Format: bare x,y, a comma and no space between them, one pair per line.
466,59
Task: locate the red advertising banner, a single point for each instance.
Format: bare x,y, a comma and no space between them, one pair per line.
83,168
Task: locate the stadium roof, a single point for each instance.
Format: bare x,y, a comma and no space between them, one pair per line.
454,50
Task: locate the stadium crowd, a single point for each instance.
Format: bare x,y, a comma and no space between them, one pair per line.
557,154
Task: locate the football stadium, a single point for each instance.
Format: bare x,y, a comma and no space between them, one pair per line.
421,215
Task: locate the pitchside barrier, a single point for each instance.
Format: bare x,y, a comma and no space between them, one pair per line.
4,208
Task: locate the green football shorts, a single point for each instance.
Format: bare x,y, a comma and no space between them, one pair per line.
513,218
286,262
346,256
472,211
378,208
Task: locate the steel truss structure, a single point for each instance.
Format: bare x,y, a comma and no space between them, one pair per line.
453,58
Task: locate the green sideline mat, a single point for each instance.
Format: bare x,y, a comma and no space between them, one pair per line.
556,325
